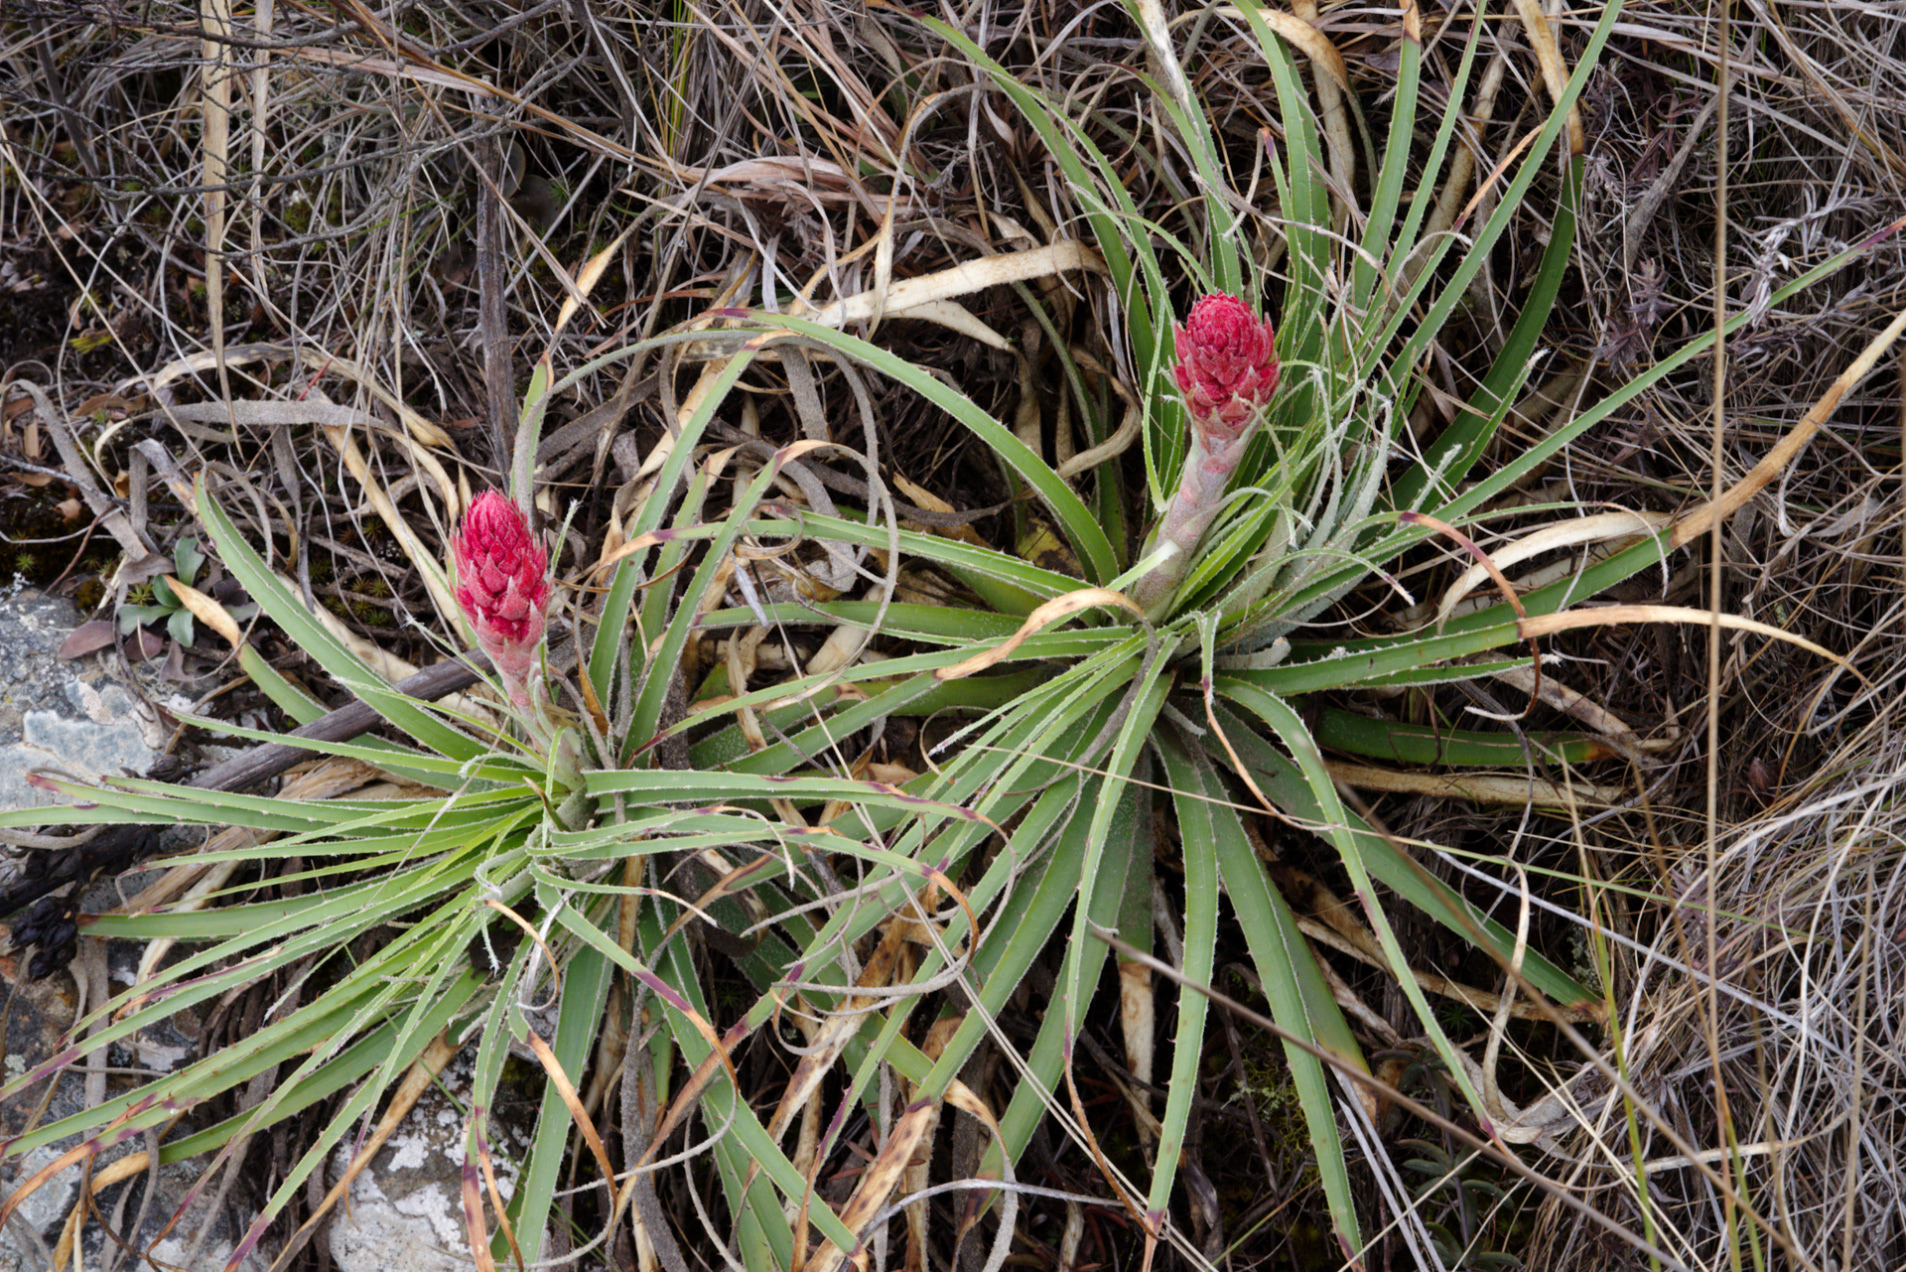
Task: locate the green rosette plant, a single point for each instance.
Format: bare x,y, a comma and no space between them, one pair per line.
1283,479
550,807
166,606
1170,674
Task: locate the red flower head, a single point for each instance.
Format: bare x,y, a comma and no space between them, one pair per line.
502,582
1227,366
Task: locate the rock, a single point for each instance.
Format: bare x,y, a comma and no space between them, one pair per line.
80,716
406,1209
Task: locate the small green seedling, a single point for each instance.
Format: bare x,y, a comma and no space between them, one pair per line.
166,605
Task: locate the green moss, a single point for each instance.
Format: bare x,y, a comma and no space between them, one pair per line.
1281,1111
35,515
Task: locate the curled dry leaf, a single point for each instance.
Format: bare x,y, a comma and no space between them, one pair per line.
87,638
1058,607
207,611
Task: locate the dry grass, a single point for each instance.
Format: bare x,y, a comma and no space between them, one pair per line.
1789,974
755,149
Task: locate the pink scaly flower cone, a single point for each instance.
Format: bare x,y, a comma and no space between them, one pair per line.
1227,369
1227,366
503,587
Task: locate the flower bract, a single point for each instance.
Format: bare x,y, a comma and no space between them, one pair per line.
502,582
1227,365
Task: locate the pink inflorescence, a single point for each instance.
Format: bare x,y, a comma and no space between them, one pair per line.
502,582
1227,364
1226,369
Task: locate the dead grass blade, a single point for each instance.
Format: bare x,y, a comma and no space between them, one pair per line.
1702,519
1614,615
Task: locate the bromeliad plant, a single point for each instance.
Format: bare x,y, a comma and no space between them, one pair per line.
1282,478
1294,483
550,808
